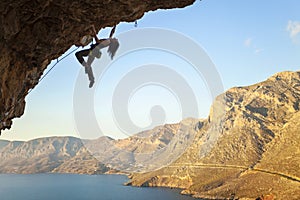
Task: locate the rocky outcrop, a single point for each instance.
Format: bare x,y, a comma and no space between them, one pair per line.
34,32
248,147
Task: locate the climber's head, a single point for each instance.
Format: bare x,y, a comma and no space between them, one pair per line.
113,47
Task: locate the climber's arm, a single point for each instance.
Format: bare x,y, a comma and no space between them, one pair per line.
112,32
95,34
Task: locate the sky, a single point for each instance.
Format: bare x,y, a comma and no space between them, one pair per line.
246,41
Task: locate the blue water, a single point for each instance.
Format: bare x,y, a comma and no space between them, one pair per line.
78,187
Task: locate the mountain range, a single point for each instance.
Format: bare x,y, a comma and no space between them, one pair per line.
247,148
145,151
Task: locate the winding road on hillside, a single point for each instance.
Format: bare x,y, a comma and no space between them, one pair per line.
191,165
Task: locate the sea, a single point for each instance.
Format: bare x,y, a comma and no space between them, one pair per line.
79,187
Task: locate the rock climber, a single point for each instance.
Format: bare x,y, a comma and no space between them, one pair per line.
95,51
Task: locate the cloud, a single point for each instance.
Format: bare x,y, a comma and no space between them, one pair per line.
293,28
248,42
257,51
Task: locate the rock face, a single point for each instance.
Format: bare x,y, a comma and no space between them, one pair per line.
248,148
32,33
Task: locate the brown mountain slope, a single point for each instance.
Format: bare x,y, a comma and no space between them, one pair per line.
37,156
284,151
248,146
148,150
144,151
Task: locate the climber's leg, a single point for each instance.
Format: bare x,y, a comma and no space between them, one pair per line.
80,54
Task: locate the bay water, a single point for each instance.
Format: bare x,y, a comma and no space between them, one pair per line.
79,187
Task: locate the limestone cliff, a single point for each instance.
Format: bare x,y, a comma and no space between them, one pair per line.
248,147
34,32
